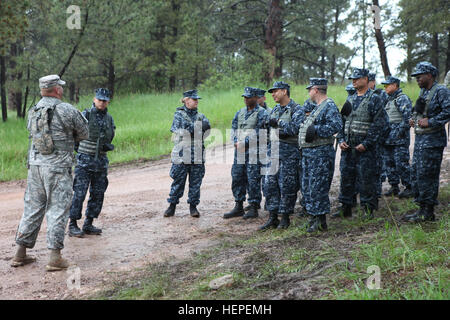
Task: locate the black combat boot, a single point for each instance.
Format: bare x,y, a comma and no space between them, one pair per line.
317,223
170,210
368,213
345,211
258,206
238,211
407,217
272,222
74,231
393,191
285,221
407,193
88,228
253,212
426,214
193,210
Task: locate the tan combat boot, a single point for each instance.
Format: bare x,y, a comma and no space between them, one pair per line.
21,258
56,262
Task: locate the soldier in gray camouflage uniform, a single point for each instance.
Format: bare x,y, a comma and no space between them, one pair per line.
49,184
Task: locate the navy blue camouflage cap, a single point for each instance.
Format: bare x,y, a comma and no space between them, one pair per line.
391,80
260,92
350,88
359,73
279,85
317,82
103,94
250,92
191,94
372,76
424,67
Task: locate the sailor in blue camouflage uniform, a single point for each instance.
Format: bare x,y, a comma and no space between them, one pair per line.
382,174
282,182
246,169
306,109
396,146
431,113
262,100
92,165
189,129
365,122
262,103
316,140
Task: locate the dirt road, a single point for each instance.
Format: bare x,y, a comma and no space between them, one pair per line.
134,230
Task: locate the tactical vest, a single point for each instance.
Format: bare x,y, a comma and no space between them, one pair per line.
246,127
309,121
420,130
97,135
286,117
359,121
395,116
184,114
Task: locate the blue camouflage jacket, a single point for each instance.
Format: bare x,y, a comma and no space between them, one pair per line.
438,115
399,132
87,161
180,123
379,121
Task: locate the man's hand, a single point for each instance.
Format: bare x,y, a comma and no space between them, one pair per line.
411,123
273,123
360,148
344,146
423,123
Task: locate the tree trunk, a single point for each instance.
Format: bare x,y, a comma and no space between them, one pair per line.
72,91
335,36
2,88
435,50
173,55
27,91
364,33
273,33
111,77
382,47
323,38
447,64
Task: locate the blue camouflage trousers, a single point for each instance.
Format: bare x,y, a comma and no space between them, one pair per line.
300,178
97,182
281,188
396,162
359,170
318,170
179,173
426,167
246,177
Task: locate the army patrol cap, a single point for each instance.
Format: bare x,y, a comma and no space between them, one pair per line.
250,92
359,73
317,82
279,85
372,76
50,81
391,80
424,67
191,94
260,92
103,94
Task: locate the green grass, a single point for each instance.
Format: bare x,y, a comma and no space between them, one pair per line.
143,122
413,260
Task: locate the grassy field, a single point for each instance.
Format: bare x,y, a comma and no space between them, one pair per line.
413,261
143,122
